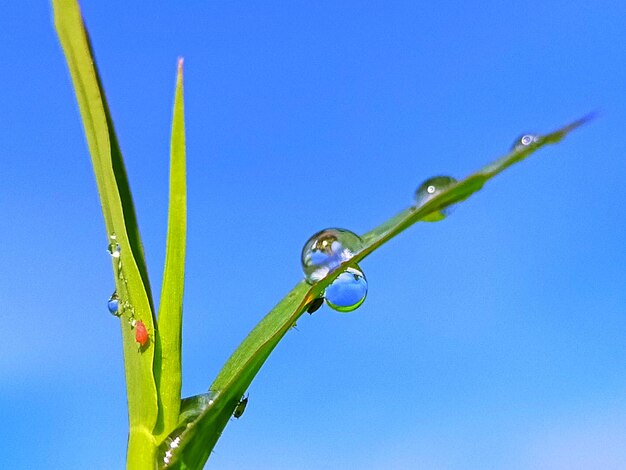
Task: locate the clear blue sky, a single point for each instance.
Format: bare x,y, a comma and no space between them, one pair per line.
492,340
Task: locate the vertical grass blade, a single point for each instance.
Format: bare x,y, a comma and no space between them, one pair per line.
168,357
120,220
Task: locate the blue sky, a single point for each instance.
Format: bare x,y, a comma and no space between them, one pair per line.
491,340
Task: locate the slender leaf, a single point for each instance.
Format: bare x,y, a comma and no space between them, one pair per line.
120,222
204,419
167,361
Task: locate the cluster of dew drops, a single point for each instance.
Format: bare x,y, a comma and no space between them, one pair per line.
113,304
323,253
326,250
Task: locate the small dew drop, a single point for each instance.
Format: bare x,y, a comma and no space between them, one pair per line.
128,307
114,249
429,189
241,407
211,397
348,291
326,250
113,304
524,141
167,449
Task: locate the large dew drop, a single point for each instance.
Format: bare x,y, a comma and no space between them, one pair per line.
429,189
326,250
114,304
348,291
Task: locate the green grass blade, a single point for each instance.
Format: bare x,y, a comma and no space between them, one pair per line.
190,446
168,362
119,218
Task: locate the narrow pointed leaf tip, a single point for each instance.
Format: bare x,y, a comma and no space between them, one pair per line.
168,372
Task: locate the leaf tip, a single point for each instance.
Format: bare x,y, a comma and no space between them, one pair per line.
558,135
586,118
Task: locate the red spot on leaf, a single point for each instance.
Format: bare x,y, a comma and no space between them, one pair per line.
141,333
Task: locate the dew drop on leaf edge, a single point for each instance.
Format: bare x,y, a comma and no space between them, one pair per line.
114,249
113,304
241,407
524,141
326,250
348,291
429,189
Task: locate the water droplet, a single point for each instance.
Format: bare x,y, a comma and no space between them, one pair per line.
241,407
326,250
169,451
114,249
114,304
168,448
120,272
429,189
524,141
348,291
128,307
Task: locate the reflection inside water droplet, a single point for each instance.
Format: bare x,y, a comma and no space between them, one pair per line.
113,304
348,291
326,250
429,189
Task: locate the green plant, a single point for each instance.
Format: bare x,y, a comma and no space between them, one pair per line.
165,430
